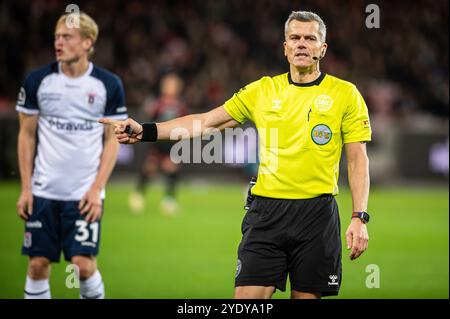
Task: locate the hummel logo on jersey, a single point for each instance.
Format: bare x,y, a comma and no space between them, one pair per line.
276,104
71,86
333,279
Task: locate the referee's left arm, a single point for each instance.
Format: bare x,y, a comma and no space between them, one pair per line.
359,180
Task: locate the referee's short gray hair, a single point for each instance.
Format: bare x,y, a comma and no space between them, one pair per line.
307,16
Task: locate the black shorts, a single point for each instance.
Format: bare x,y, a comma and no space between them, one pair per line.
299,237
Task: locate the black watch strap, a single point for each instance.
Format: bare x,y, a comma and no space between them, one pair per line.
361,215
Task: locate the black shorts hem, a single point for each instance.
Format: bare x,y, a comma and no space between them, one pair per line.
280,285
325,292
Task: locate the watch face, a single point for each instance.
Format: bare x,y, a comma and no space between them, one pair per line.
363,216
366,217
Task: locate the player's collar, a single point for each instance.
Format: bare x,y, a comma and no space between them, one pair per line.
315,82
88,72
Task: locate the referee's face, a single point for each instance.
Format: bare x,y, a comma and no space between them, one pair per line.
303,43
70,46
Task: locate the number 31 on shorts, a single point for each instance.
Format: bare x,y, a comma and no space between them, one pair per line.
83,232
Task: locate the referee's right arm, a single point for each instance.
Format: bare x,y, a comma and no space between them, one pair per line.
193,125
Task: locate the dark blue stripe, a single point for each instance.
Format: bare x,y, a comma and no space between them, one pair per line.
93,297
36,293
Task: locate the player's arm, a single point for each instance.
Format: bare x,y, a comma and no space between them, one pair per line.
91,203
188,126
359,180
26,147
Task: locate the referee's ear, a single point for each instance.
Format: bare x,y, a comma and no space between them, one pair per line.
323,51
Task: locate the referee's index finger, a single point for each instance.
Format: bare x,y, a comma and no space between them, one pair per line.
107,121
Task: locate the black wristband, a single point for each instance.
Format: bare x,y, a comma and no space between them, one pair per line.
149,132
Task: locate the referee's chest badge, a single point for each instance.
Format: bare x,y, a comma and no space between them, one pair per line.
323,103
321,134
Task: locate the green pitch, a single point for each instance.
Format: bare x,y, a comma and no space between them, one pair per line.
193,254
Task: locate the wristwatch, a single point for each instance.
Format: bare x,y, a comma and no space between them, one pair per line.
361,215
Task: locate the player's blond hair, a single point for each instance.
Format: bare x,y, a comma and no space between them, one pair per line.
307,16
87,26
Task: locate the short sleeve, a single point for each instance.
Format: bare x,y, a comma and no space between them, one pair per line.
241,105
356,123
27,101
115,103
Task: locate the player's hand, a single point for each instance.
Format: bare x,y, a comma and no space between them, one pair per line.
119,129
357,238
25,205
91,205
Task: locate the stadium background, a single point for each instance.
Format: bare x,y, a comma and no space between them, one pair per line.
217,47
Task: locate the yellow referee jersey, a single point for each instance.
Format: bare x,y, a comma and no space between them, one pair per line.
302,128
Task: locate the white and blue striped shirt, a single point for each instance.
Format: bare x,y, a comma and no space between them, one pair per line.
69,138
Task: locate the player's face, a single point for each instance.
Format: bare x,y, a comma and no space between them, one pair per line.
303,43
70,46
171,86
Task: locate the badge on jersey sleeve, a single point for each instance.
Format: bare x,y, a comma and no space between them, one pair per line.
22,97
321,134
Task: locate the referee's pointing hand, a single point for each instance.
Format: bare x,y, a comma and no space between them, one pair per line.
120,129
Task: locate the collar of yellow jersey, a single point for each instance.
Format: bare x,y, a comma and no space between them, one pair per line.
315,82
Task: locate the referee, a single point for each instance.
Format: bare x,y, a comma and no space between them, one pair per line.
292,226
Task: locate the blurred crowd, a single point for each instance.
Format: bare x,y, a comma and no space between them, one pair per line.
217,46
